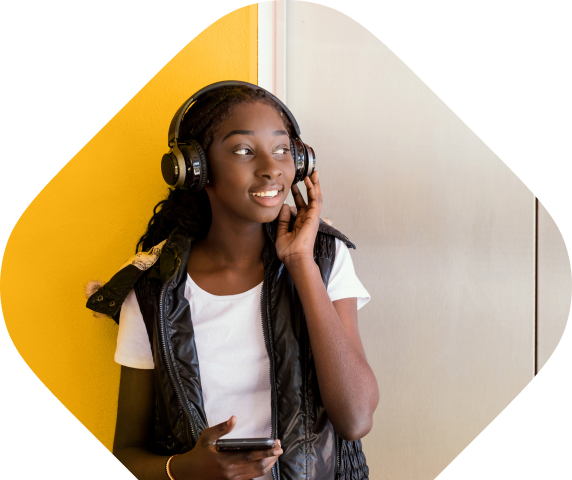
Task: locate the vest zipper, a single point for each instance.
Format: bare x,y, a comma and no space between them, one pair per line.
265,314
339,456
168,361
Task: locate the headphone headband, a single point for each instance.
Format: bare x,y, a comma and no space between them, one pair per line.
177,119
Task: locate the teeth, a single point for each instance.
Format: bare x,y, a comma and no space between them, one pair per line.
271,193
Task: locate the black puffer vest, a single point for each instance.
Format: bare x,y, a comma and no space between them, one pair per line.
312,450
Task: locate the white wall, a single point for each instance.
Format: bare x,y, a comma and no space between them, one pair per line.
446,238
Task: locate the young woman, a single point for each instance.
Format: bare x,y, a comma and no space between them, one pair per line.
237,318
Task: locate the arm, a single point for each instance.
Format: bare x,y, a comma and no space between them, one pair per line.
347,384
134,422
133,433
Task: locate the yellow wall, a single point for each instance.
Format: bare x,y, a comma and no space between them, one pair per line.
87,220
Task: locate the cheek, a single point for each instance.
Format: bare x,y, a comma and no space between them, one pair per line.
229,181
222,173
289,170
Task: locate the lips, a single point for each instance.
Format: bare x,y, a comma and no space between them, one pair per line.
268,195
266,189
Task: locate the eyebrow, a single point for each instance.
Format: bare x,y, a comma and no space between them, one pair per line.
276,133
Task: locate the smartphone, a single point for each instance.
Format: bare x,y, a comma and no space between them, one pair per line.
237,444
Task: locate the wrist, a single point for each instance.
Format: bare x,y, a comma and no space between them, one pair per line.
300,265
299,261
179,468
169,467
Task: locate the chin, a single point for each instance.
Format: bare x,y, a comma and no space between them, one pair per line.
268,215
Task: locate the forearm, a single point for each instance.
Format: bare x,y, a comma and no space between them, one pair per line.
143,464
347,385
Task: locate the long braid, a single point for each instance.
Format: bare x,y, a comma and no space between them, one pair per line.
191,210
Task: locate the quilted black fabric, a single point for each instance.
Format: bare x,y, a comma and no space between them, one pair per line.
353,465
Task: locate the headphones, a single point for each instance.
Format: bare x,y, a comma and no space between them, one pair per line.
185,165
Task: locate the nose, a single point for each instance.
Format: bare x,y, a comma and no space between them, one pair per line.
267,166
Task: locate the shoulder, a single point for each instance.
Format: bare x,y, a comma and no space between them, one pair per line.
326,229
326,239
107,298
325,245
326,232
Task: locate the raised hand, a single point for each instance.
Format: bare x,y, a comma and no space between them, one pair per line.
298,244
204,462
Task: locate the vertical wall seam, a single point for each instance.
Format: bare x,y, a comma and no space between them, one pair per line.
266,45
278,49
253,43
535,285
285,61
274,46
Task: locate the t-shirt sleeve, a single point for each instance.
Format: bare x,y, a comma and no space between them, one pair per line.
344,282
133,348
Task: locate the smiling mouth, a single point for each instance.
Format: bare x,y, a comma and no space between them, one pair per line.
270,194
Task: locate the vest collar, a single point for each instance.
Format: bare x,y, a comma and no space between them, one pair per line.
172,254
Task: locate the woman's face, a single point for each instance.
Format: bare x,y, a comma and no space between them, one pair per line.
251,168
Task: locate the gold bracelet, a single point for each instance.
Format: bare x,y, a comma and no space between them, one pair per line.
168,468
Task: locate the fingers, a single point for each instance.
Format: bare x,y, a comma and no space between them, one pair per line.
314,178
284,215
256,469
283,221
212,434
238,465
313,190
298,198
251,464
256,463
255,455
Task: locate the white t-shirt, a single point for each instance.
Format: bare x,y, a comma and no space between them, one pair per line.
233,362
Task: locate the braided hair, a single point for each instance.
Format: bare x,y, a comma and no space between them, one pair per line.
191,210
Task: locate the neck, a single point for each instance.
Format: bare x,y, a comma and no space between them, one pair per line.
233,243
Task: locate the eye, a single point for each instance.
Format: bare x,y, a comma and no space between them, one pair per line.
282,151
243,151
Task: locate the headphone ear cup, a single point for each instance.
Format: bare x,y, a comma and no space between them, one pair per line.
298,155
196,162
294,158
310,160
172,167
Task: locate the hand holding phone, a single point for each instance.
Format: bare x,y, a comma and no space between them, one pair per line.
244,444
206,461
